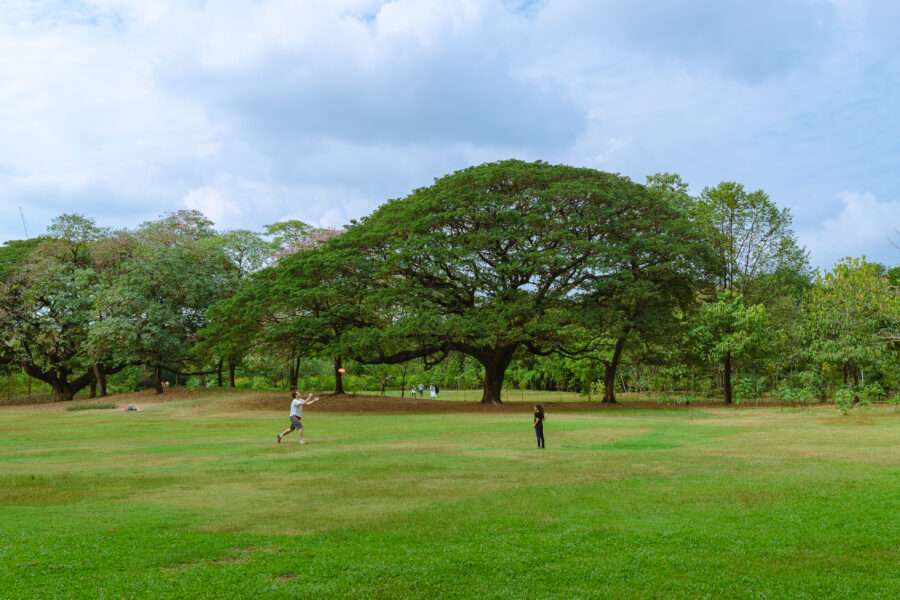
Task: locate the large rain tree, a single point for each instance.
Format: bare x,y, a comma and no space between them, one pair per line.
47,306
496,259
156,303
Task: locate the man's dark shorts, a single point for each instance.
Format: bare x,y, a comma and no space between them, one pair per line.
296,423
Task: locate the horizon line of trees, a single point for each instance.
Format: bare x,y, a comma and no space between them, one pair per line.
548,272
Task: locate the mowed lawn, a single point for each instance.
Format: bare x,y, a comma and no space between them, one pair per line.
194,499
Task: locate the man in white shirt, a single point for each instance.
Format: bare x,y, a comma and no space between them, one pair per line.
296,414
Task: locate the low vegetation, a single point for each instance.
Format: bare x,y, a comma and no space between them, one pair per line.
91,406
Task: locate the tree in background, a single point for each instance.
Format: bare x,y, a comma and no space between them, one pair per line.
246,252
655,284
287,236
729,328
293,308
47,306
247,322
853,320
179,225
757,256
324,291
893,276
157,301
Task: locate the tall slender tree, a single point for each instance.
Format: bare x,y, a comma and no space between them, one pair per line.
655,284
756,252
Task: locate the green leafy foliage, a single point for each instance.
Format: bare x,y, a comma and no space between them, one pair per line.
14,253
156,302
853,318
756,253
46,310
729,327
505,275
893,275
787,394
508,256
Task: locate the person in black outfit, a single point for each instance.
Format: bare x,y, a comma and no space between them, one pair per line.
539,424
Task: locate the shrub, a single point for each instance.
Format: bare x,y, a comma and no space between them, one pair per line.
847,399
95,406
874,391
749,387
786,394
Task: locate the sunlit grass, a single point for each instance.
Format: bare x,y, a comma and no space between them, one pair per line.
184,500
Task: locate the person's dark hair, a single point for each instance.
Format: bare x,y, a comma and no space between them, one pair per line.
295,394
540,410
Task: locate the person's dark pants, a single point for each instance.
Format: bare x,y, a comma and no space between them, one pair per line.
539,432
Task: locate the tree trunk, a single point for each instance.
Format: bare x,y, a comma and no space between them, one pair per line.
219,369
93,392
100,376
495,365
62,392
609,376
726,378
850,376
231,369
638,381
295,373
159,383
338,379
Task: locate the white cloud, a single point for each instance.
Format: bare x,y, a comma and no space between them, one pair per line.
262,109
212,203
864,226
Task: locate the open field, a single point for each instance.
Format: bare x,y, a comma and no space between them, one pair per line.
192,498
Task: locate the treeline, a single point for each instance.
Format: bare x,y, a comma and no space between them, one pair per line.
546,276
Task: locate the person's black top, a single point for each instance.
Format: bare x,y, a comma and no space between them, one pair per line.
539,417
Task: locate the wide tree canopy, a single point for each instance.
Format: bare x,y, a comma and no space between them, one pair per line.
156,301
47,304
501,257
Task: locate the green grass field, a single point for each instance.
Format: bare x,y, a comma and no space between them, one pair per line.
194,499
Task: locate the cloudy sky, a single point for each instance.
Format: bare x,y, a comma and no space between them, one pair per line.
254,111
